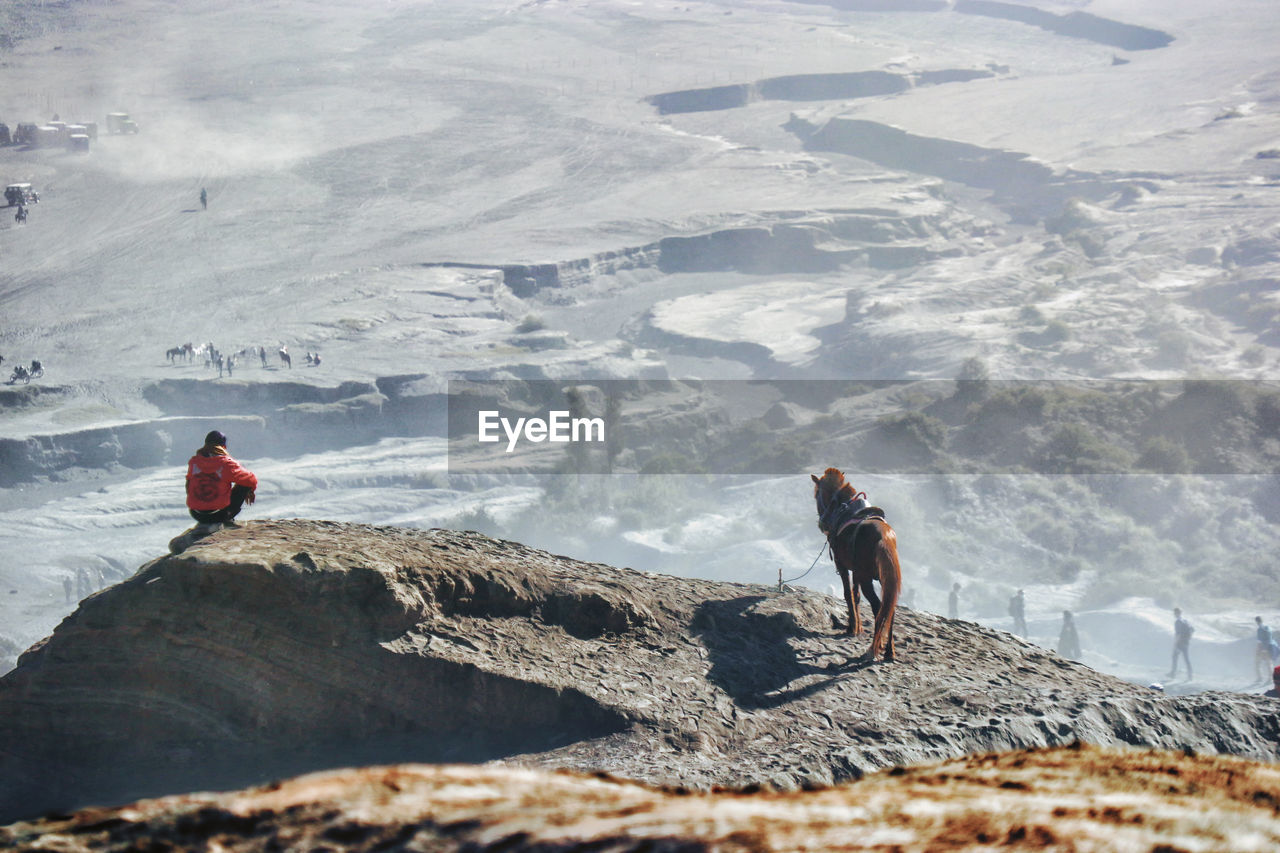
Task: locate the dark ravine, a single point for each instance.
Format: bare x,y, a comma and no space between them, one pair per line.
1028,189
807,87
1006,171
1080,25
285,646
525,280
780,242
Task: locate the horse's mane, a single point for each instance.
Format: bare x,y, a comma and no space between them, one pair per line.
833,482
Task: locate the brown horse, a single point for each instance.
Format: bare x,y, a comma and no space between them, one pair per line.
865,549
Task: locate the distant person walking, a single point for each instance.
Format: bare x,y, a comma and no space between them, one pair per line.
1068,638
1262,652
262,355
953,602
1018,610
1182,632
217,487
204,199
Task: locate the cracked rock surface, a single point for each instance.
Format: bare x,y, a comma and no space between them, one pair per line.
282,647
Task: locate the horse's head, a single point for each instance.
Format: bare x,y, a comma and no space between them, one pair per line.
828,490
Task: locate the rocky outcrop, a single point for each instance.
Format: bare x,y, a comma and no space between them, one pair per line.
285,646
1082,798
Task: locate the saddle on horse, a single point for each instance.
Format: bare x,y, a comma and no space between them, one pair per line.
840,516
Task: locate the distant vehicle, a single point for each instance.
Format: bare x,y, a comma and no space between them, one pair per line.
48,136
26,133
121,123
5,139
19,194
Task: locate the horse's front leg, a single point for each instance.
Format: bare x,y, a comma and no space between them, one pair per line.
854,625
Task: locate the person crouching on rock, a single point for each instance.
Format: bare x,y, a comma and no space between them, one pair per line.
217,486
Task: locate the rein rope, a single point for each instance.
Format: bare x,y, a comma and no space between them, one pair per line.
782,583
826,546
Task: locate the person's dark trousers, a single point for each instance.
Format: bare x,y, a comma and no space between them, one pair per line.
228,512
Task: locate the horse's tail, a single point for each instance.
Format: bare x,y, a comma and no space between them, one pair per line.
890,572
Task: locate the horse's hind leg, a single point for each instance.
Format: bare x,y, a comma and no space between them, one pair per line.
874,600
888,648
869,590
887,568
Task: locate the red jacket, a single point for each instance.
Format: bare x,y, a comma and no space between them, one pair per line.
210,475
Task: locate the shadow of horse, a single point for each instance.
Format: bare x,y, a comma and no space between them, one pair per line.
752,655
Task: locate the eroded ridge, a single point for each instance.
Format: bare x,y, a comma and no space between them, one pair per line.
280,647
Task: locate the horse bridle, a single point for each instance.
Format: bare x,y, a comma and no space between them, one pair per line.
824,510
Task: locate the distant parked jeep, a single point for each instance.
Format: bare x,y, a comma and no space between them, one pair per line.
16,194
121,123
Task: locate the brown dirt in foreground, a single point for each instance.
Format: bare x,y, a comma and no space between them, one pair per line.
1064,798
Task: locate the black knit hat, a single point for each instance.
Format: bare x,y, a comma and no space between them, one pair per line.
215,439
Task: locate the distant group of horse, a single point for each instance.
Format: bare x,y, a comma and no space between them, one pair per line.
22,373
213,357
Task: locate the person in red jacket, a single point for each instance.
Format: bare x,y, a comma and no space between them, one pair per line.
217,486
1274,692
